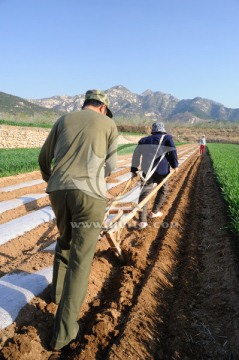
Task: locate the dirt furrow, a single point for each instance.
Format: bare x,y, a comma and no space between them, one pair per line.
174,297
23,209
125,285
192,288
16,179
18,253
209,308
99,281
13,194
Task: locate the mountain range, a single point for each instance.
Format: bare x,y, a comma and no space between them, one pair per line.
149,104
126,104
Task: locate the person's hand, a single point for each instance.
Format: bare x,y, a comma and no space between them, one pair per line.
133,175
176,169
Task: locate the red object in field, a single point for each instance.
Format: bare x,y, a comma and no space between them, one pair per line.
202,148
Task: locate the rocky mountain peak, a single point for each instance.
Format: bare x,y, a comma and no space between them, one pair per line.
149,104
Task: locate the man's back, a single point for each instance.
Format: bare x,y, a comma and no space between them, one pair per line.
79,143
148,148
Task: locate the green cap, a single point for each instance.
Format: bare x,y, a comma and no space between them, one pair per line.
100,96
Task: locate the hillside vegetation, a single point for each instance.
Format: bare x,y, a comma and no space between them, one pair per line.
20,110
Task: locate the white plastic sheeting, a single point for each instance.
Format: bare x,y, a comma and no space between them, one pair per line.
12,204
50,247
23,224
19,289
131,196
124,177
21,185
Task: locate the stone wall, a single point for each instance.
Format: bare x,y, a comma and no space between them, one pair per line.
22,137
29,137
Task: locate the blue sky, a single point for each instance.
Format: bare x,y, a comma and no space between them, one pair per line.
185,48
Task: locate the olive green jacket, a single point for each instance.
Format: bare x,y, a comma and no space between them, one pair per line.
83,147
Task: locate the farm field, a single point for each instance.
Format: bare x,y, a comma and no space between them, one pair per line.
18,161
226,166
13,161
175,296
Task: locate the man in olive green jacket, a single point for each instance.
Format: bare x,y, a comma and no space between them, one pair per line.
83,146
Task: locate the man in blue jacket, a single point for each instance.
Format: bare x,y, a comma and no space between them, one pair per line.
157,153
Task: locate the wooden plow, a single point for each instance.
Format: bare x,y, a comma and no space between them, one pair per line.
110,210
113,228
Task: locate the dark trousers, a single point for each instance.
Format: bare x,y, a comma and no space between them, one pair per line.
79,218
160,196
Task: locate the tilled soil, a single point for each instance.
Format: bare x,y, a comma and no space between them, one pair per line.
175,296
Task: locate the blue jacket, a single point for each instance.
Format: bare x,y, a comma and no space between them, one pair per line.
146,149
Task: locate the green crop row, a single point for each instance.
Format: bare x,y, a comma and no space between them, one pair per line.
226,166
16,161
25,123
